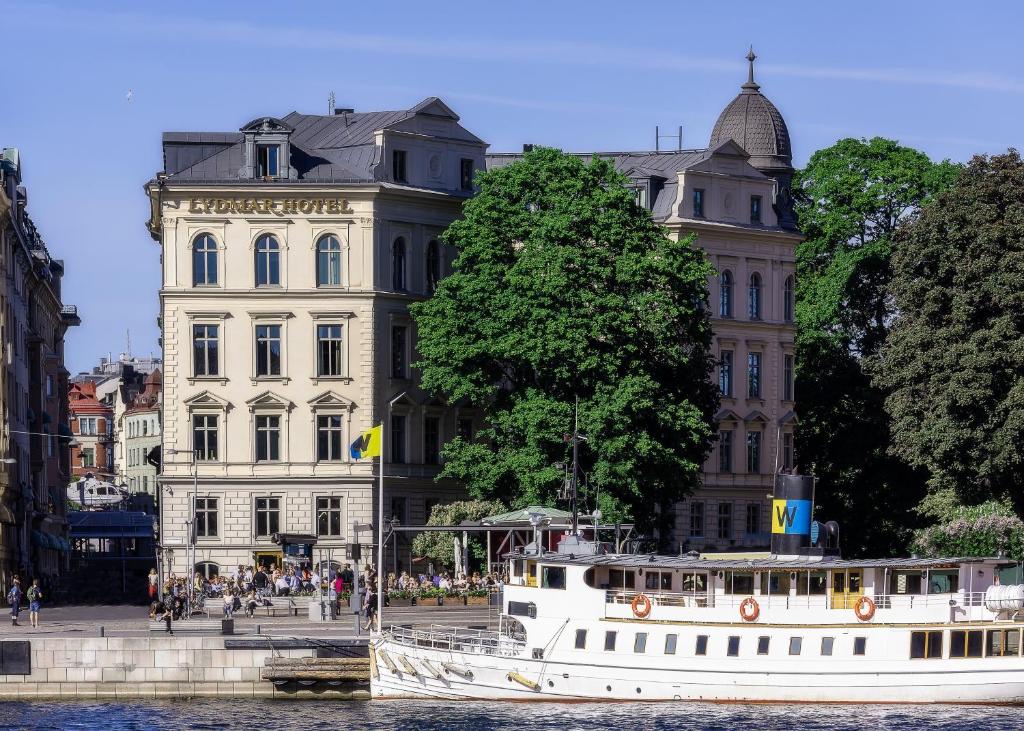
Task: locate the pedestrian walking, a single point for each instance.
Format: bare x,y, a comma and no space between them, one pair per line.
14,599
35,596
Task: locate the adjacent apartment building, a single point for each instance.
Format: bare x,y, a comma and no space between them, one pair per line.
291,250
34,435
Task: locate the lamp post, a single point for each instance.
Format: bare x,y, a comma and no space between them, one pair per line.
385,427
190,523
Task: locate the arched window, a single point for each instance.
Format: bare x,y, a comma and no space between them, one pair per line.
328,261
208,569
268,261
754,297
204,261
725,294
788,299
433,266
398,265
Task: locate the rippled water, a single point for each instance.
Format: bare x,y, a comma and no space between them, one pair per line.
263,715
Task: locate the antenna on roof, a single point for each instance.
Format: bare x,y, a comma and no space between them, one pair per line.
330,104
658,136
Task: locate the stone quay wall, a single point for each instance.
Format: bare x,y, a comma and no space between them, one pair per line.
153,667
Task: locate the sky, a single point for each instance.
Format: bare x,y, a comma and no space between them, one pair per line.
88,88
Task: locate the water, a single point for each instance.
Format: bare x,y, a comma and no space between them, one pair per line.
263,715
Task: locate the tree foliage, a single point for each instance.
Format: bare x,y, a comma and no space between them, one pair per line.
564,288
437,546
952,363
978,530
851,199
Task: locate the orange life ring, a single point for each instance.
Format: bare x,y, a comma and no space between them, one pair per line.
750,610
864,608
638,600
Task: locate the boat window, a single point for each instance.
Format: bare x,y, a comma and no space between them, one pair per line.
739,582
762,645
670,644
944,581
581,639
640,642
553,577
588,578
702,645
796,645
695,582
1003,642
826,646
811,583
775,582
659,580
925,645
619,579
734,646
609,641
966,643
860,645
906,582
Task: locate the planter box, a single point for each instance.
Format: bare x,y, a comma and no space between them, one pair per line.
430,601
396,602
477,601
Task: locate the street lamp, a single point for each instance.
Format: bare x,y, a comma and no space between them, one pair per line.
190,524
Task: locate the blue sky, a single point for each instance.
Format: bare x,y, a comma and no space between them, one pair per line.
578,75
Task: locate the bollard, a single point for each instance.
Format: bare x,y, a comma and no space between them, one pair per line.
102,631
257,629
227,626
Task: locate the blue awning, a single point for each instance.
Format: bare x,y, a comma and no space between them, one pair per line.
111,524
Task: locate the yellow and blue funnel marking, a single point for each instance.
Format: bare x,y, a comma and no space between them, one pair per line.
791,517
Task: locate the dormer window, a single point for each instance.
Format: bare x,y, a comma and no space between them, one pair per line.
698,203
755,209
267,161
398,166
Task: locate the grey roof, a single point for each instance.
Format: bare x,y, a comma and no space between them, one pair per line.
773,563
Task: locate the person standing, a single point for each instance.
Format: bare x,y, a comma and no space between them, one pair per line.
153,579
35,596
14,598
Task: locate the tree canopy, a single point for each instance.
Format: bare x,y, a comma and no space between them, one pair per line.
851,199
438,546
565,288
952,364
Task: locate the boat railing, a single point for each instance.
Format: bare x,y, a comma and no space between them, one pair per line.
918,601
459,639
705,600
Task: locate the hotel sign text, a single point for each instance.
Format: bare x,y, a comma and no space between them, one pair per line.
281,207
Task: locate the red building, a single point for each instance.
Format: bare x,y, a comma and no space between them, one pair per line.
92,424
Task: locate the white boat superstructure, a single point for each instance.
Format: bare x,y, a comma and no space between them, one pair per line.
770,628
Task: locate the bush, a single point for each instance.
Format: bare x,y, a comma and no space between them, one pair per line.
974,530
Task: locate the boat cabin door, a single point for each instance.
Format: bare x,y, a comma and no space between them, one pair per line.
847,588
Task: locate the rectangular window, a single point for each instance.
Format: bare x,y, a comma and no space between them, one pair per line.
619,579
464,429
399,344
696,520
811,583
826,646
397,438
1003,642
787,377
609,641
724,520
204,437
698,203
925,645
329,438
763,644
328,350
268,350
640,643
775,583
658,580
725,373
739,582
753,375
552,577
702,645
400,509
734,647
267,161
206,517
398,166
87,425
329,516
431,440
796,645
268,438
88,457
966,643
581,639
755,209
942,581
753,522
49,386
860,645
670,644
204,349
753,452
268,516
725,450
466,174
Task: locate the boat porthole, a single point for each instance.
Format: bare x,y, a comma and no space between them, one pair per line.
637,690
609,687
551,683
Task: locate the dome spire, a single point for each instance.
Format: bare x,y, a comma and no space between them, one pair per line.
750,85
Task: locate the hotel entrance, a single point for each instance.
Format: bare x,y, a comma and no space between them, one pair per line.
847,588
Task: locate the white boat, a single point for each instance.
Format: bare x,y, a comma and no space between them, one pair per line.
800,626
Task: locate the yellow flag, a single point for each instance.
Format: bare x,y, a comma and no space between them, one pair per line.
367,444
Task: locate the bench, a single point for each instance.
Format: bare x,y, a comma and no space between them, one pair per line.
273,610
189,625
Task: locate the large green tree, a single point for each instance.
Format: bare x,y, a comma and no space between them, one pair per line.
439,546
851,199
952,365
565,289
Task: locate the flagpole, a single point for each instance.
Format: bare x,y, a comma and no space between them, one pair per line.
380,526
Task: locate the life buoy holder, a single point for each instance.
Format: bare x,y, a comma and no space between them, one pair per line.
750,610
641,606
864,608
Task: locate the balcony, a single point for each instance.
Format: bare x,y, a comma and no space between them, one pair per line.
69,315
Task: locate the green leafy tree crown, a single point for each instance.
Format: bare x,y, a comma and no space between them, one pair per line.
564,288
438,546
